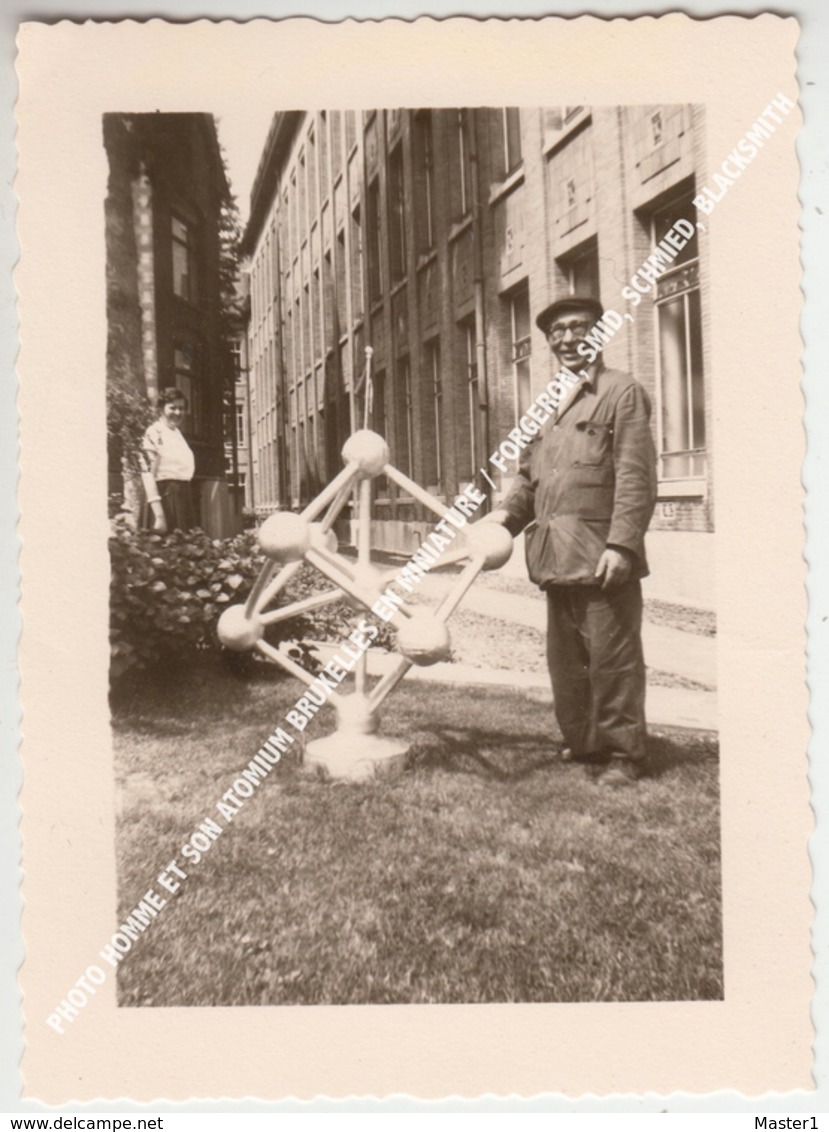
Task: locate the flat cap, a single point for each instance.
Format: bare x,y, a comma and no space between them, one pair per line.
563,306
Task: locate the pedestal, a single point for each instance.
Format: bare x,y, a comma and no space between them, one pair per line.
352,757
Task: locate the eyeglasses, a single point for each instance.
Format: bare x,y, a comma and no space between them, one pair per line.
578,329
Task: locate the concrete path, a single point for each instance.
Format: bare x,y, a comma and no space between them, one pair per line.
669,650
677,707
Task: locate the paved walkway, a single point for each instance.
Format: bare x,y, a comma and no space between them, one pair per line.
676,707
668,650
690,656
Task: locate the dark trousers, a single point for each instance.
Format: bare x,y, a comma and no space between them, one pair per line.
177,501
597,668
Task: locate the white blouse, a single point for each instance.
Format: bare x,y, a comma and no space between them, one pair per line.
174,455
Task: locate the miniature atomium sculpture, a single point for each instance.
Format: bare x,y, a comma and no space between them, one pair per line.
355,750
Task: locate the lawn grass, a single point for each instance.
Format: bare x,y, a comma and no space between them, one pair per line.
488,872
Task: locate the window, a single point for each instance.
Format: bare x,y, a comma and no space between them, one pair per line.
236,359
316,314
656,128
425,183
378,413
323,155
397,216
434,452
521,337
405,437
681,389
350,130
581,270
185,361
312,177
241,435
356,265
341,287
464,182
302,184
336,142
511,124
476,453
377,408
373,237
184,260
295,217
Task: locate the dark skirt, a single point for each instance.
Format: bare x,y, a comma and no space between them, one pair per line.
177,501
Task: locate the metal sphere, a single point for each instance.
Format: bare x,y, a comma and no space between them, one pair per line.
368,450
237,631
424,640
284,536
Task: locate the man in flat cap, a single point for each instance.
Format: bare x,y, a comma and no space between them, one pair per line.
585,492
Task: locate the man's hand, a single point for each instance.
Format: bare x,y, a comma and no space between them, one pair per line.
614,568
498,516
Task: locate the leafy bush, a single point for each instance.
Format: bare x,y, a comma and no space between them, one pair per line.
168,592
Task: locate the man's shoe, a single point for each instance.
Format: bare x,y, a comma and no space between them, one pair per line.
568,755
621,772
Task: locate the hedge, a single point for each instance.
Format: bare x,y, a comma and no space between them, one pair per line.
168,592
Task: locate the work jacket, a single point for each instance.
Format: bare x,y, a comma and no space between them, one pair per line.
586,482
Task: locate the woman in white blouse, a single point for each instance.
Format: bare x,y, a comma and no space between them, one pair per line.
169,465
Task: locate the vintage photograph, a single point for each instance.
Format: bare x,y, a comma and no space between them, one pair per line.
390,756
412,668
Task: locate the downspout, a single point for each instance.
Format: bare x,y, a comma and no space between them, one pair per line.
478,286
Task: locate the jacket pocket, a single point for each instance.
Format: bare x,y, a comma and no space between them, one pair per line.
588,491
537,551
593,443
576,545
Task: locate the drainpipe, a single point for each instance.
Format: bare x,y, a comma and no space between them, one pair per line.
478,285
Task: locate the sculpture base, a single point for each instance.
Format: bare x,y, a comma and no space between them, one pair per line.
354,757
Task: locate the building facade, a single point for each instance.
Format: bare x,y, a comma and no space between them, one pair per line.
434,237
165,193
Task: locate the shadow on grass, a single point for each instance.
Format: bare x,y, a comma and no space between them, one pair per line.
509,756
490,872
504,756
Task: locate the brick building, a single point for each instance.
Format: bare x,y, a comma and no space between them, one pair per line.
435,237
165,193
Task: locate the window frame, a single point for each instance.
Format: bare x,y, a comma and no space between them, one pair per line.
689,484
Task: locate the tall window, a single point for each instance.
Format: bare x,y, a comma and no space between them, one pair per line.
241,434
511,124
356,265
184,259
323,155
425,175
336,142
236,359
434,453
464,183
350,130
397,216
312,176
405,429
521,335
302,182
185,361
681,432
476,454
341,285
373,238
380,421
